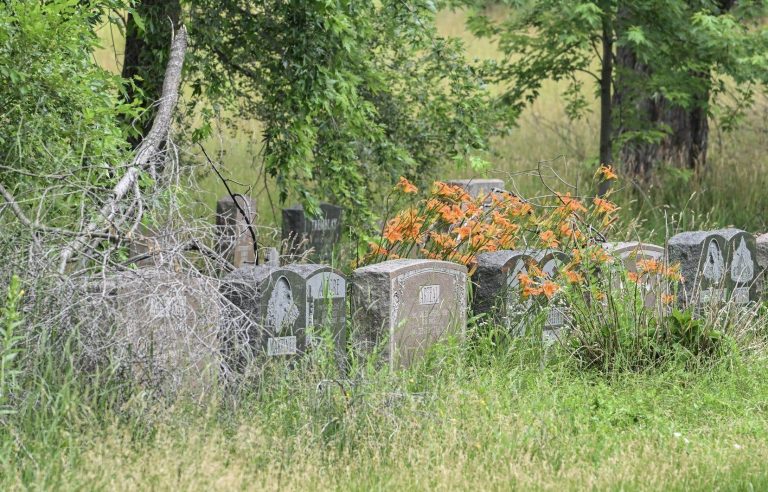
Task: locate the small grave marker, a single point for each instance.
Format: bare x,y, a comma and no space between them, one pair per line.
234,241
478,187
320,234
409,303
633,251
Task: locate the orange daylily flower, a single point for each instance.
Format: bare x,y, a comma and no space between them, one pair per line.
451,213
548,237
573,277
570,203
667,298
607,172
531,291
376,249
604,206
549,288
406,186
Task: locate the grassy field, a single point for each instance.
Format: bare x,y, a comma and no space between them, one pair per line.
502,421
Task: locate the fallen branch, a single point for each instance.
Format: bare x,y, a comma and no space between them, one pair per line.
143,161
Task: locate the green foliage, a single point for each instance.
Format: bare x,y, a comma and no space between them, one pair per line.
351,94
10,321
686,52
59,110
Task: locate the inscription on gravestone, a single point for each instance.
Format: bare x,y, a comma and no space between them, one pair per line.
234,241
277,308
410,304
717,266
320,234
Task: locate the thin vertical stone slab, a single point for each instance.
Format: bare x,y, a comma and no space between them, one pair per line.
478,188
761,245
717,266
320,234
550,261
234,241
496,283
407,305
633,251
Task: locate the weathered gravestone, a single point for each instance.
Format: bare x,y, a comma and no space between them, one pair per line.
234,240
276,310
761,244
163,327
633,251
717,266
497,289
409,304
478,187
320,234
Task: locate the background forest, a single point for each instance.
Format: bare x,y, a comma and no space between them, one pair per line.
119,117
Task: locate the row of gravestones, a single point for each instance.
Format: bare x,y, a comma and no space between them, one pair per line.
302,232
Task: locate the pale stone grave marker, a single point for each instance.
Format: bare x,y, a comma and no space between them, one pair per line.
321,234
410,304
550,261
280,306
168,327
630,253
717,266
478,188
234,241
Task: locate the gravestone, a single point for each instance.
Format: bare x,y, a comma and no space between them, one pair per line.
275,309
717,266
550,261
497,286
409,304
761,244
166,328
497,290
633,251
478,187
320,234
234,241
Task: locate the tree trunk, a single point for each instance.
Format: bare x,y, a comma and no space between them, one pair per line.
146,55
606,103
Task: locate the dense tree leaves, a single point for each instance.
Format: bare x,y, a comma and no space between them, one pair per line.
688,49
351,93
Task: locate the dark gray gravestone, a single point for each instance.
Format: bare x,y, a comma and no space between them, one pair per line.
409,304
320,234
478,188
496,286
633,251
717,266
325,301
276,308
234,241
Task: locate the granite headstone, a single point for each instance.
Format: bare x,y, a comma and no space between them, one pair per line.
405,306
303,232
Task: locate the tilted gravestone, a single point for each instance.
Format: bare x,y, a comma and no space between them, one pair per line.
478,188
277,309
717,266
633,251
497,289
234,240
409,304
320,234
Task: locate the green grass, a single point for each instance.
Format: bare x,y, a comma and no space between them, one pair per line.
496,422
